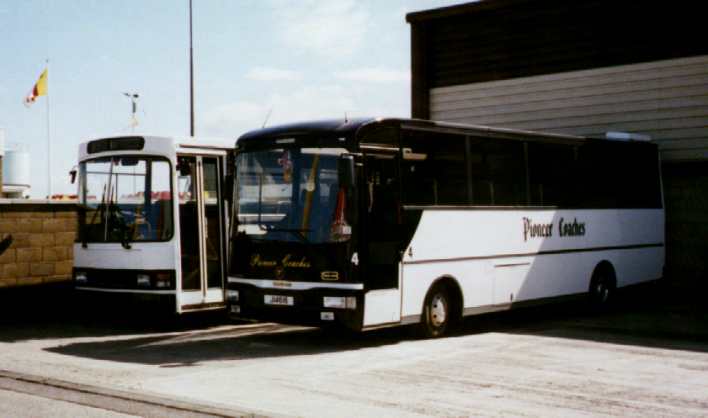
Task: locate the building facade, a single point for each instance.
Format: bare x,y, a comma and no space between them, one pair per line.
584,68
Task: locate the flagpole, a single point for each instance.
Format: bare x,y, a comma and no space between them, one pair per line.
49,158
191,75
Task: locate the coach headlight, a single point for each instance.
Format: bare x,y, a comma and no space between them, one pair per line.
339,302
232,295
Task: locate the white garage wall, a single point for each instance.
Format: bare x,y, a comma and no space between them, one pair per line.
667,100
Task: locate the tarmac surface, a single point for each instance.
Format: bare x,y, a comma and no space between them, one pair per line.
646,357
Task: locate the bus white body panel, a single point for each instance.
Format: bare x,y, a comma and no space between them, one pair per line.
511,263
382,307
141,256
110,260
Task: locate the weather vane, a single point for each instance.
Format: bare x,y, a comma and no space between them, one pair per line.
134,102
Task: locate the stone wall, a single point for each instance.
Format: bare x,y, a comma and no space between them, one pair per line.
36,242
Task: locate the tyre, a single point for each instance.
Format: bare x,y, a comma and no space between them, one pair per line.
437,312
602,288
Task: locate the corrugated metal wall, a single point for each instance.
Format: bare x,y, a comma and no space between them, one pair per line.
581,67
665,99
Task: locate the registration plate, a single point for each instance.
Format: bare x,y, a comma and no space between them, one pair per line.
278,300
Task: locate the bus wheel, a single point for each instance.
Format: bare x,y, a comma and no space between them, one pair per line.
602,287
436,312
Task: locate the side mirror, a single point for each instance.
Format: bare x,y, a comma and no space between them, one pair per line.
346,171
72,175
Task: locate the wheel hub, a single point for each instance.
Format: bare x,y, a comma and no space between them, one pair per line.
438,310
602,291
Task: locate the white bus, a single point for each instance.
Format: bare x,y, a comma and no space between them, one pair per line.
382,222
152,220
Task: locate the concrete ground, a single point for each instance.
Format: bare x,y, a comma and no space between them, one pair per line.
648,357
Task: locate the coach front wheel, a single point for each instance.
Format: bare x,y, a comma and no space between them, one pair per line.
436,312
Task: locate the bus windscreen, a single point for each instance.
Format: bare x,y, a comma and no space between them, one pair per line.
125,199
288,194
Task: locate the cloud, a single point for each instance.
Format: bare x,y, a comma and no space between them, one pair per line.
306,103
375,75
329,28
272,74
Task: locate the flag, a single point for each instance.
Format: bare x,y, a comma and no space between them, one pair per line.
39,89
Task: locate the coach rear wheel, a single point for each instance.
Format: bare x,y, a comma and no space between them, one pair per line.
436,312
602,288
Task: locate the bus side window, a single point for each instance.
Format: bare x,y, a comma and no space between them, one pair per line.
497,172
551,179
438,176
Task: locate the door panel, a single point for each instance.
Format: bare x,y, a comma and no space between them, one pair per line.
189,225
381,223
212,221
201,232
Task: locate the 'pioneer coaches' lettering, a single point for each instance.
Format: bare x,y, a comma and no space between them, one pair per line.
532,230
543,230
571,229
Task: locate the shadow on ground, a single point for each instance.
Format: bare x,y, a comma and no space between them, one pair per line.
234,343
57,311
655,315
666,318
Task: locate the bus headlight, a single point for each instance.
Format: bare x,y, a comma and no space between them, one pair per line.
80,277
143,280
232,295
163,280
339,302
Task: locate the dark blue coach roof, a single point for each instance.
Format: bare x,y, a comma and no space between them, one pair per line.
329,127
341,128
323,131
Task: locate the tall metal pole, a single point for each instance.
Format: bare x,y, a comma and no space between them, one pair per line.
191,75
49,150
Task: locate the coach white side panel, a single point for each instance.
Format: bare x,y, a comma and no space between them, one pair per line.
382,307
499,256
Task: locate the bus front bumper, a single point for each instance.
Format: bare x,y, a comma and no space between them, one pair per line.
315,307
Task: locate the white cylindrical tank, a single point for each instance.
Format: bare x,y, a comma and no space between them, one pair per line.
16,171
2,142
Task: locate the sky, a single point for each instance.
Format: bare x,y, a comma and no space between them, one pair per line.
295,60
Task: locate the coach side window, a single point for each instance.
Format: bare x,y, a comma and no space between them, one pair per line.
551,174
434,170
639,173
497,171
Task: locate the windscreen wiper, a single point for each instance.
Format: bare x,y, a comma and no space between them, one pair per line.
116,216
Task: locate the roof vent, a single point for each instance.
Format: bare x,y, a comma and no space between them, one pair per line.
626,136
